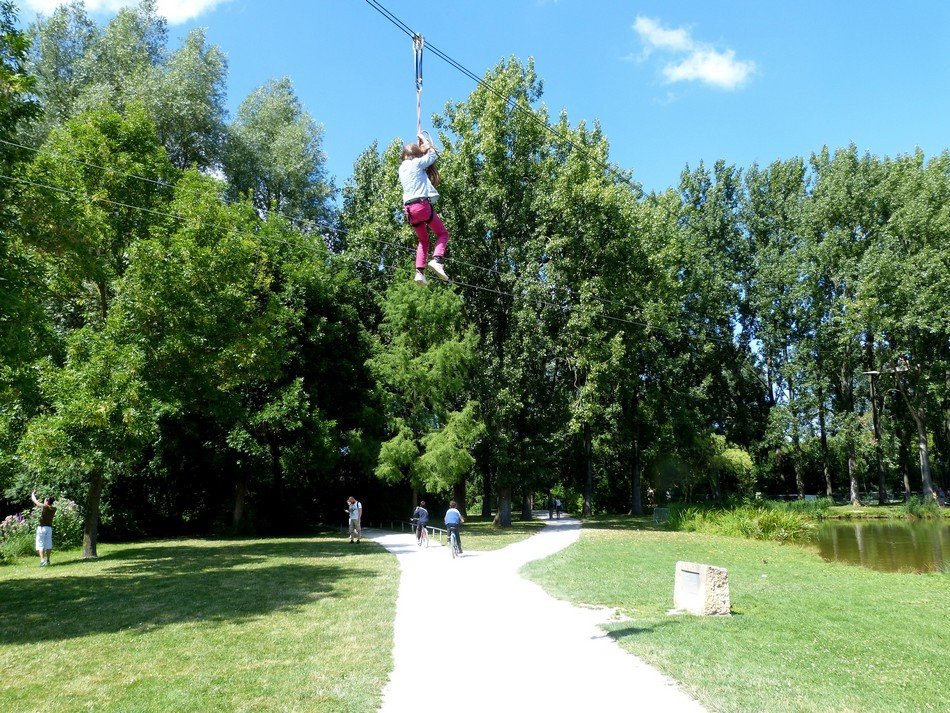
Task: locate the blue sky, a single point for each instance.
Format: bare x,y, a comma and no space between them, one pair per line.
671,83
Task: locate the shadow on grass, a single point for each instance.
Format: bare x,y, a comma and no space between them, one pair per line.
145,588
623,522
622,632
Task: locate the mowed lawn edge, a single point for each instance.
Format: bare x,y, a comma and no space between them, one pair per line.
805,635
283,624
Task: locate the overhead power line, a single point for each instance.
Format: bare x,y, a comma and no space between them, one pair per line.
482,288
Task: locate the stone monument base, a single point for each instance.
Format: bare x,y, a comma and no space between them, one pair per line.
701,589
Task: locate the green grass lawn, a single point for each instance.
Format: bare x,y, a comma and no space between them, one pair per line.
805,635
478,533
297,624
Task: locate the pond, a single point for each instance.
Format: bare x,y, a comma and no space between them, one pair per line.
901,546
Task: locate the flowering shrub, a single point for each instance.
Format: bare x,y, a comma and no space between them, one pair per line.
16,537
67,525
18,532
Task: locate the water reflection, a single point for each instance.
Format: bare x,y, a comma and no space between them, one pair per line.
915,546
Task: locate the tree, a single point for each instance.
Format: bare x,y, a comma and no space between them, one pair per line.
422,365
186,98
84,212
100,417
902,293
274,154
25,333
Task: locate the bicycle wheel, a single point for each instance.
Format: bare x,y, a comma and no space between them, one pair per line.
453,542
425,537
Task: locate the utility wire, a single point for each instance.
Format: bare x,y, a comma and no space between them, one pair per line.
482,288
303,223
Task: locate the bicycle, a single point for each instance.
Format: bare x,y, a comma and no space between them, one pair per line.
454,543
422,535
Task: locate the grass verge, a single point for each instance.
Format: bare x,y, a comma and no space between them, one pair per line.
806,634
478,533
298,624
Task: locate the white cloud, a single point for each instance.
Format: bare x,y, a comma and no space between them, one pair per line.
654,35
721,69
176,11
701,63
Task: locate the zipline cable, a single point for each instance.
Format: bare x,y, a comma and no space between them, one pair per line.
509,101
654,329
303,223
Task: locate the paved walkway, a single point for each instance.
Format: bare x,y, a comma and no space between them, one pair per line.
466,638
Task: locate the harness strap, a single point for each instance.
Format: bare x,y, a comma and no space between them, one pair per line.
419,222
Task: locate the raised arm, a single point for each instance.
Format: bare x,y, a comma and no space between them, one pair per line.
35,501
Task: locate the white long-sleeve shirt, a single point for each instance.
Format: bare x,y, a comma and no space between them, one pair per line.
415,182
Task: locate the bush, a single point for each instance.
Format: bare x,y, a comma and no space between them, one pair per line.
918,509
67,525
757,521
16,538
818,507
18,532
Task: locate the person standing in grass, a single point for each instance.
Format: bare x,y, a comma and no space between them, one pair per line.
355,510
453,519
44,531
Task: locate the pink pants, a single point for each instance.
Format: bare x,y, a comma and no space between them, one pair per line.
419,213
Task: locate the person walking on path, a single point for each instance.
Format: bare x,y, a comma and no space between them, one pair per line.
418,196
453,520
488,594
421,517
557,507
44,531
355,511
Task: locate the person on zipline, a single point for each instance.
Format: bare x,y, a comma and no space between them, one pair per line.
418,195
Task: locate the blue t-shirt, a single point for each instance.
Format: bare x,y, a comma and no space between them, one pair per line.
453,517
422,514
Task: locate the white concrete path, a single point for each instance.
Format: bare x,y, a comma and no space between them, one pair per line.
466,638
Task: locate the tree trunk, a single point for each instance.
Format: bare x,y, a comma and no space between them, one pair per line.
460,491
277,484
588,471
486,494
823,433
875,421
799,482
796,440
878,447
527,506
240,490
636,504
853,473
90,524
920,420
927,489
503,517
904,455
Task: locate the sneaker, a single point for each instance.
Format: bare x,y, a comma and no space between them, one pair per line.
44,563
420,278
438,269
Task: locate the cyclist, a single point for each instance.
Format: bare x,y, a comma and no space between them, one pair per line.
453,518
421,517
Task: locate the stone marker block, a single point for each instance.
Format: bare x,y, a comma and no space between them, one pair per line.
701,589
